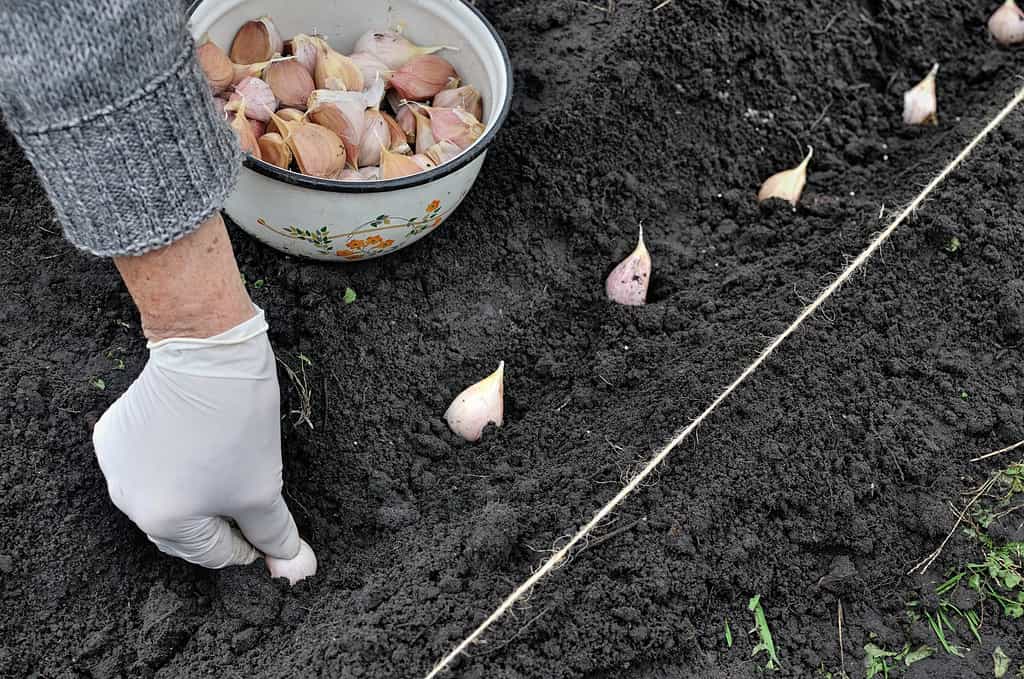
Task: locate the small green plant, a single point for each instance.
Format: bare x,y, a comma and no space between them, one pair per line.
111,355
98,383
350,296
258,283
880,662
728,634
951,245
765,642
1000,663
964,395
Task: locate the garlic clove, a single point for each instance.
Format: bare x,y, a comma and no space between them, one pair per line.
335,71
373,95
341,112
443,151
376,136
1007,24
398,143
424,161
422,77
240,124
290,82
216,65
627,283
478,406
275,150
371,173
258,127
920,106
305,50
256,40
788,184
393,49
350,175
299,568
466,97
455,125
259,97
424,133
371,66
318,151
395,165
286,114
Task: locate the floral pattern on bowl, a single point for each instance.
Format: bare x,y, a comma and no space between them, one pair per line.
355,245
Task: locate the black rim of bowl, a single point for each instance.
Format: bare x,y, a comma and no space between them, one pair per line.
461,161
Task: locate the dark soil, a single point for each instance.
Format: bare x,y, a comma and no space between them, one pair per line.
822,481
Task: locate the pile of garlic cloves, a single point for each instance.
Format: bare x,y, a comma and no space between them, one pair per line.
387,110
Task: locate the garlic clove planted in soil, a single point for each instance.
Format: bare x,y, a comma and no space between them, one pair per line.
259,98
920,106
627,283
290,82
275,150
335,71
393,49
466,97
301,567
422,77
478,406
788,184
1007,24
216,65
256,40
395,165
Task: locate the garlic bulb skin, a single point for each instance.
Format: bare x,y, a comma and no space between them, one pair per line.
788,184
920,106
627,283
217,68
422,77
1007,24
478,406
299,568
393,49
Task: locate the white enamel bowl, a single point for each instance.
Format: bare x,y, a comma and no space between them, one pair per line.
350,221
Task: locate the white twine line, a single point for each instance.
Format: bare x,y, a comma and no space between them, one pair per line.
555,559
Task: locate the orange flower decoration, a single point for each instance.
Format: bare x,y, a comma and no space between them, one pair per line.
434,204
387,243
373,240
344,253
437,221
355,244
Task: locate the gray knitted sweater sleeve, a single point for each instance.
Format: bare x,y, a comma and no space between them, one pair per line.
111,108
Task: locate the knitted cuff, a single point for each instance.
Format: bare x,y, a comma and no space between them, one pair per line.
141,172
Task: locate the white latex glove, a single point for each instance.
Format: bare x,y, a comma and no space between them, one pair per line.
196,440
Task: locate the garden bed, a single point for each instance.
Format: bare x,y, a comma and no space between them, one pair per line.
818,484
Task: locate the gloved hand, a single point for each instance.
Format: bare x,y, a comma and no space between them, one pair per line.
196,440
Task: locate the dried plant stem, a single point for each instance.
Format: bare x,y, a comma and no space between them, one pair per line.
998,452
555,559
923,565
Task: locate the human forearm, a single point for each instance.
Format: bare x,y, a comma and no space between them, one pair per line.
115,115
191,288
